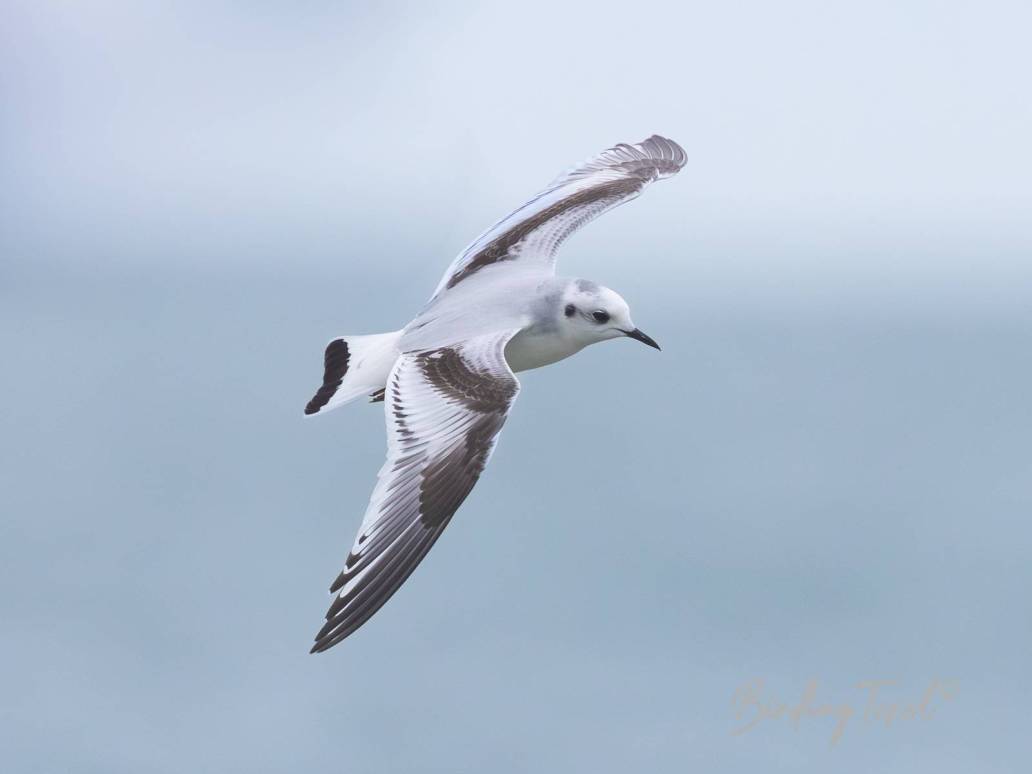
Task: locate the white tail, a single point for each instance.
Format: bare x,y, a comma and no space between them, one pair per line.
355,366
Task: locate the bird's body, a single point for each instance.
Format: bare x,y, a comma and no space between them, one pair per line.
531,306
447,378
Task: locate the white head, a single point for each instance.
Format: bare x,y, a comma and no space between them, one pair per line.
590,313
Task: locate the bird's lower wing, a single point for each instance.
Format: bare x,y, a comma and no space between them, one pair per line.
444,409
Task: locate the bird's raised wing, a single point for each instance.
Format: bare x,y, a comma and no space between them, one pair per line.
444,410
530,236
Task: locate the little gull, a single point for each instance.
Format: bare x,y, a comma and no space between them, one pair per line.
447,378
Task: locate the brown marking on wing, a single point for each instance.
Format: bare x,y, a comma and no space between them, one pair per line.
501,247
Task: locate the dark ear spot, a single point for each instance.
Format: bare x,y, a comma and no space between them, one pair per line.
570,310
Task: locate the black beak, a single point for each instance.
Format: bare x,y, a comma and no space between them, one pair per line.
644,338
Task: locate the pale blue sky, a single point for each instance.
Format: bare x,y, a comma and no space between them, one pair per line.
827,472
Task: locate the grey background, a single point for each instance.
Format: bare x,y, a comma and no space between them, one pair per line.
825,474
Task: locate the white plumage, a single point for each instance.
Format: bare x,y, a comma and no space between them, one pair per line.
447,378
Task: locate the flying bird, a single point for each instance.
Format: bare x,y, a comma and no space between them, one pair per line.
447,379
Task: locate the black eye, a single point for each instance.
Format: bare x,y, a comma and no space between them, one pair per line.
570,310
600,316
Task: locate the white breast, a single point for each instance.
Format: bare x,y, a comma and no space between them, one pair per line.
529,349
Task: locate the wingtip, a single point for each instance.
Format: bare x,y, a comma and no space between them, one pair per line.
324,641
338,583
662,147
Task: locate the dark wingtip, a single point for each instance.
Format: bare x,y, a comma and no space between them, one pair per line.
338,584
321,646
325,640
322,641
